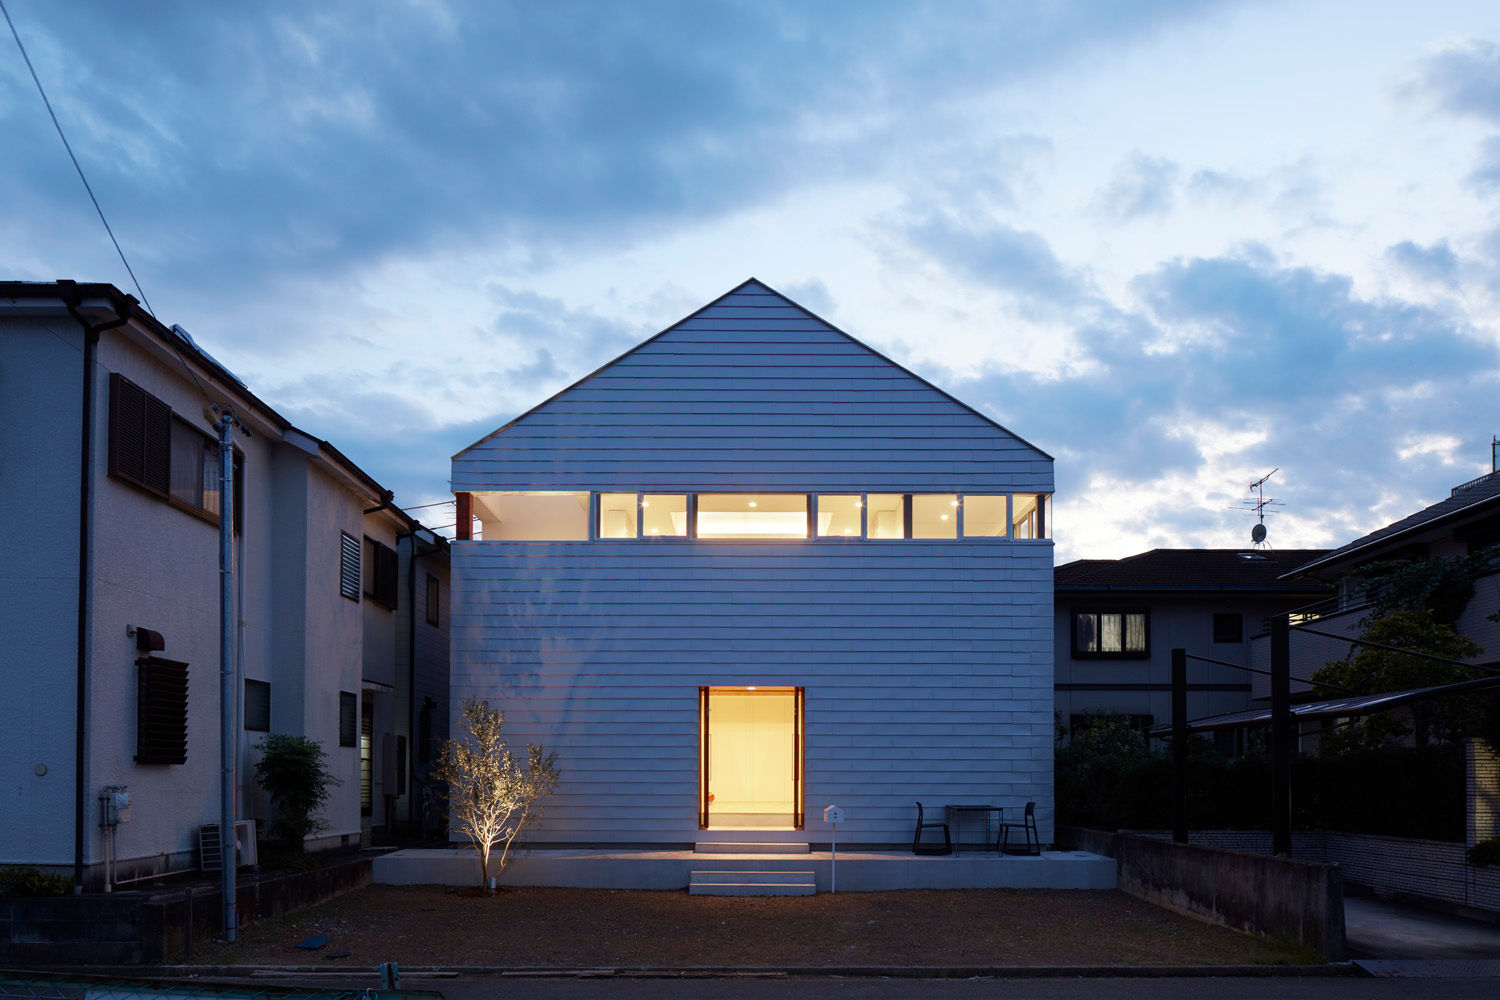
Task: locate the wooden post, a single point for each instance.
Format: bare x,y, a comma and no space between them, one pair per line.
1179,746
464,530
1281,737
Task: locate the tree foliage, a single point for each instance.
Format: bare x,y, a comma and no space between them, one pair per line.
1372,670
491,797
293,771
1440,585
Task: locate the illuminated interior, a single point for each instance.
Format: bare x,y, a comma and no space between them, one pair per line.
752,515
752,751
664,515
934,515
1025,516
617,515
533,517
984,516
841,516
887,513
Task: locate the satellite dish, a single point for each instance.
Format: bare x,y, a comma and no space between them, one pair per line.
1258,534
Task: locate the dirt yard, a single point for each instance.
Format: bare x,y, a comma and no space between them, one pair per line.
590,928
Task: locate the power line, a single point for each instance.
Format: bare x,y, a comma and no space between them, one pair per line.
58,125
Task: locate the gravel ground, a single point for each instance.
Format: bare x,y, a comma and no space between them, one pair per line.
580,928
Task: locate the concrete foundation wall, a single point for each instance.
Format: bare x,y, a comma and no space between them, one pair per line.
1276,897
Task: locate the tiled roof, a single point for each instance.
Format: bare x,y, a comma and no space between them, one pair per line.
1472,497
1190,569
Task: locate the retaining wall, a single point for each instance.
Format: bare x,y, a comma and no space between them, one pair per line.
1275,897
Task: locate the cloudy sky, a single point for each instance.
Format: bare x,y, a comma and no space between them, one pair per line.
1175,244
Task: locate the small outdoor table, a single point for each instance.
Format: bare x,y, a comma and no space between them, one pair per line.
956,819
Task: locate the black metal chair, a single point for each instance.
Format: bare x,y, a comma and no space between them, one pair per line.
917,847
1027,826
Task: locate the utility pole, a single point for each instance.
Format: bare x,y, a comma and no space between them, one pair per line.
228,716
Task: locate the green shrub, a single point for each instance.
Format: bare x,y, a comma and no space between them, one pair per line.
1485,853
293,771
30,880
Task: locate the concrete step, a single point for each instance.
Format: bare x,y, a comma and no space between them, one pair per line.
764,883
745,847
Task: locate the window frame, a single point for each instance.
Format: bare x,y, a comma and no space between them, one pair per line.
694,510
381,573
1098,611
348,719
261,685
432,601
140,446
1224,618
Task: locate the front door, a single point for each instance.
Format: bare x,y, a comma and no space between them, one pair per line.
750,758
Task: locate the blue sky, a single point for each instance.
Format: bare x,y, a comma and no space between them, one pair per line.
1174,244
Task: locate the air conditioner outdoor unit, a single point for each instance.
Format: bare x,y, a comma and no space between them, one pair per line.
244,843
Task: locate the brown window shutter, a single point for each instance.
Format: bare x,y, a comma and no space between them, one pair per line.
157,466
161,712
127,428
464,530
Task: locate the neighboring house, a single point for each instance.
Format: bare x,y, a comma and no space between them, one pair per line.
1118,620
752,568
112,592
1465,522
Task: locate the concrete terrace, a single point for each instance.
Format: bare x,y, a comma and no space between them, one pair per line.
858,871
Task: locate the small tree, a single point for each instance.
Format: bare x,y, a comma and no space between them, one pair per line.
490,796
293,771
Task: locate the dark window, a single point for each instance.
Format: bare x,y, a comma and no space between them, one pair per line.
366,757
1111,633
424,731
432,599
166,455
380,574
349,567
257,706
1229,627
400,765
348,719
161,712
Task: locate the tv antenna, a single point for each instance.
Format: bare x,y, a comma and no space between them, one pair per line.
1260,506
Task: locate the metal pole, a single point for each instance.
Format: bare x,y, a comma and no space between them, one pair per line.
228,728
1179,746
1281,737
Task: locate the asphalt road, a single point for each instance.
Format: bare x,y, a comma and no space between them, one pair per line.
1258,988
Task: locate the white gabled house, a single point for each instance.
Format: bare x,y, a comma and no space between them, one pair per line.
752,568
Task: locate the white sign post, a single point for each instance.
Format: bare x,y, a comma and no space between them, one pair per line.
833,816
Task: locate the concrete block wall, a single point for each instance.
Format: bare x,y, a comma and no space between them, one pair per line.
1482,777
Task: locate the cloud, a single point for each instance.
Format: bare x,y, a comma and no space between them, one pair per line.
998,257
1437,263
1143,185
1464,79
1238,363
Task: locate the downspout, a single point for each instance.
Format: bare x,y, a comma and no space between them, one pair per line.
85,549
411,684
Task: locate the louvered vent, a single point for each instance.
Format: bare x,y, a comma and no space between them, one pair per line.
349,567
161,712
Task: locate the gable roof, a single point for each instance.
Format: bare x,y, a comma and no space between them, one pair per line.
1191,569
1477,497
750,363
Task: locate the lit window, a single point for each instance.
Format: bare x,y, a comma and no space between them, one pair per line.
1028,516
533,517
1111,634
752,515
839,516
984,516
887,513
617,515
934,515
664,515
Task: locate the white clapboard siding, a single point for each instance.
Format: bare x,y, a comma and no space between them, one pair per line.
927,664
750,392
927,669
